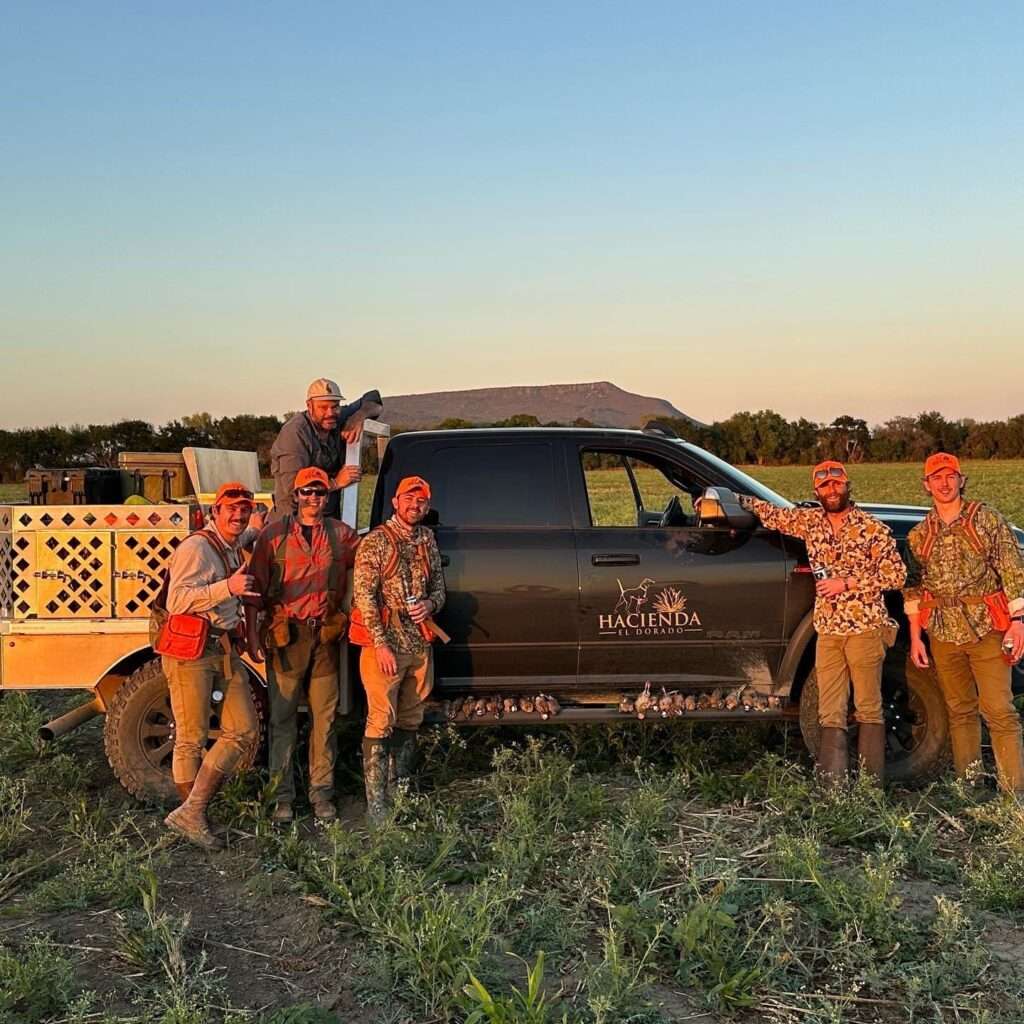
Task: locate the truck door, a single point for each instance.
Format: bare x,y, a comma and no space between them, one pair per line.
661,597
505,535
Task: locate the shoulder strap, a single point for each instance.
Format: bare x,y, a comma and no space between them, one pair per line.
931,534
970,527
280,563
391,565
334,569
218,545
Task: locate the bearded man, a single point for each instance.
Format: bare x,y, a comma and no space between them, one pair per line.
855,560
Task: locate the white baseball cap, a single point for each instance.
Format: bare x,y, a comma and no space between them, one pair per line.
322,389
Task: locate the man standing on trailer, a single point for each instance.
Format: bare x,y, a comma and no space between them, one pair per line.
208,579
855,560
965,586
318,437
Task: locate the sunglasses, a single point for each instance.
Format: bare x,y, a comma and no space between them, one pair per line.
832,473
312,492
238,492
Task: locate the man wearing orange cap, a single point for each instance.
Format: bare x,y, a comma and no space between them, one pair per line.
317,437
398,588
965,586
855,560
208,578
300,565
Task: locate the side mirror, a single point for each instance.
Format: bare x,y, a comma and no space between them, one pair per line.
720,507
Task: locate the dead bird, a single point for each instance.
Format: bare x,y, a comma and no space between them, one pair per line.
510,705
553,706
627,705
493,705
666,703
760,702
690,704
774,701
747,699
703,702
480,708
644,702
451,709
716,700
732,702
526,705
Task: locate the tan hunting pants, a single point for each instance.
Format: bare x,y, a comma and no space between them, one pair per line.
973,678
191,685
840,660
398,701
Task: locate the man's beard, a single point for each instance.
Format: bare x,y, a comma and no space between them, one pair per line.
837,502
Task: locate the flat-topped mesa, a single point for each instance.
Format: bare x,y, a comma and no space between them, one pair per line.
597,402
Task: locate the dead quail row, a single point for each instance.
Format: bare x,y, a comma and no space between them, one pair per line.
674,703
465,708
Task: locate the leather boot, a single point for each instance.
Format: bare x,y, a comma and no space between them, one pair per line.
183,788
1009,762
965,739
189,820
871,750
832,757
375,775
403,753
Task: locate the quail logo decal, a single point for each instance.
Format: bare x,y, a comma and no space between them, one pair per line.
645,610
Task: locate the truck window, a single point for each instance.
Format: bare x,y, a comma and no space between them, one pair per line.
627,490
497,485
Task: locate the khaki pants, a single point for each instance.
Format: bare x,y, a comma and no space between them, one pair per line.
396,701
841,660
191,684
288,669
973,678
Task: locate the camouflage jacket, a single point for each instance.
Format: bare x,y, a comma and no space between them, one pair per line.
418,573
955,568
862,551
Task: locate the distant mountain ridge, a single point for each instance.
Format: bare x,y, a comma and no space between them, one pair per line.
601,402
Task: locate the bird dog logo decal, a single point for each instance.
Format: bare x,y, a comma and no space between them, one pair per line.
649,610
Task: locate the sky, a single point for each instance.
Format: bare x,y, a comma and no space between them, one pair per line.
815,208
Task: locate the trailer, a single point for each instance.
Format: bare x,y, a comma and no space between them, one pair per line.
76,583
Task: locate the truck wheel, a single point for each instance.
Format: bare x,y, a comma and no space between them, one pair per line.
917,729
138,734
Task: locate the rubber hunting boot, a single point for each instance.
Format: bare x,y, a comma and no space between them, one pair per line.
403,753
871,750
189,820
832,757
375,775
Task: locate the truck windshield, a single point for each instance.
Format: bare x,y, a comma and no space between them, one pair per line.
736,479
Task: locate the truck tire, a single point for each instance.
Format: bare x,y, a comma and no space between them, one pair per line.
138,734
917,729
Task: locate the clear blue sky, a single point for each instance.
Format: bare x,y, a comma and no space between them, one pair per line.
812,207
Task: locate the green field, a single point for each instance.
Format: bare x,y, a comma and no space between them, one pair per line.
1001,483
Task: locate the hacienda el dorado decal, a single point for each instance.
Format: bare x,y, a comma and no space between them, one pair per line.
644,610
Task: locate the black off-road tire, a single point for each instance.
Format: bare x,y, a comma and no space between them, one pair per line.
138,734
917,728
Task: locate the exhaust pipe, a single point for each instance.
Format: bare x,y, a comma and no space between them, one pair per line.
71,720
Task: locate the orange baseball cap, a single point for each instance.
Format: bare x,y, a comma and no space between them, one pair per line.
311,475
941,460
413,485
233,493
829,469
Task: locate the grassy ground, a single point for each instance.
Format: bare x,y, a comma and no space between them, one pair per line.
666,874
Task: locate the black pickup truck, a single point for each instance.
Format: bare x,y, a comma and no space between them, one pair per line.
584,586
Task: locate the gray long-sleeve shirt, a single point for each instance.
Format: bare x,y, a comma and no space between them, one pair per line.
199,585
301,444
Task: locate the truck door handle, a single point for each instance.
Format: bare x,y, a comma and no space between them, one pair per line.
445,560
614,559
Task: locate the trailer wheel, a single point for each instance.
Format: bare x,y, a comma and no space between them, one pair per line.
138,734
917,729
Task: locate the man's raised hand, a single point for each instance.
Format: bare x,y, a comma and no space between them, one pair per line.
242,584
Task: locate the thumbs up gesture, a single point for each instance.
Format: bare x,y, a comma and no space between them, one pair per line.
241,584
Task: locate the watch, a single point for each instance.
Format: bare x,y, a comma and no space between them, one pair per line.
1017,618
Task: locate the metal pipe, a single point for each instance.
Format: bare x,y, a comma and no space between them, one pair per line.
71,720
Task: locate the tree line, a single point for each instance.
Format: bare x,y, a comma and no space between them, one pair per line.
763,438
